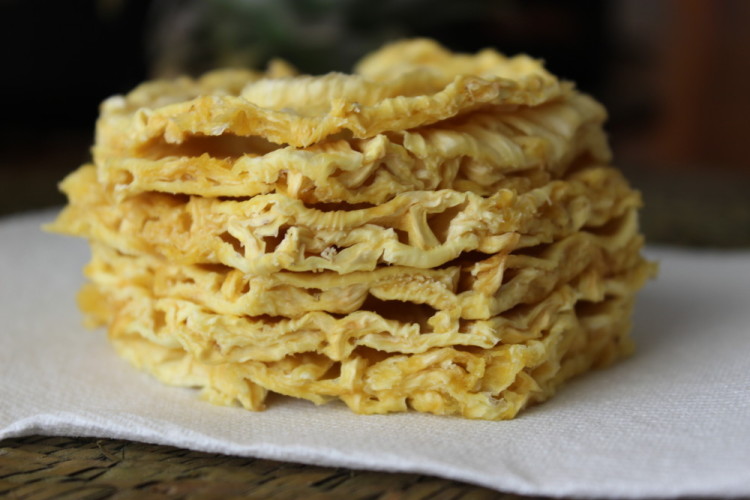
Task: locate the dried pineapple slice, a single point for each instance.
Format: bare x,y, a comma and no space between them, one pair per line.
493,383
477,290
268,233
304,110
425,54
381,325
158,93
480,153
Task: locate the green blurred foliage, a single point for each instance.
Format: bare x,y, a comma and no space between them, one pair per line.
315,35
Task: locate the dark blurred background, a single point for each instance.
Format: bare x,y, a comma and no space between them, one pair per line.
675,75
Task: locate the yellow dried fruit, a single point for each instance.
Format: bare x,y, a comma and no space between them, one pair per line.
438,231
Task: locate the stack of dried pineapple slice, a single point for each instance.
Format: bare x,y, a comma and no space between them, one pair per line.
437,231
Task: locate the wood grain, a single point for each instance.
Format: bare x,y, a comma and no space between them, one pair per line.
40,467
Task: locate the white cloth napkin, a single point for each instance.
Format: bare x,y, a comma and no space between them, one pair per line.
672,420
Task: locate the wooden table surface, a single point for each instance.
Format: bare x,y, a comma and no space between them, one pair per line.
39,467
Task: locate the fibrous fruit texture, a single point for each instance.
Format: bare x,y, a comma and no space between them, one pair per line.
436,231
